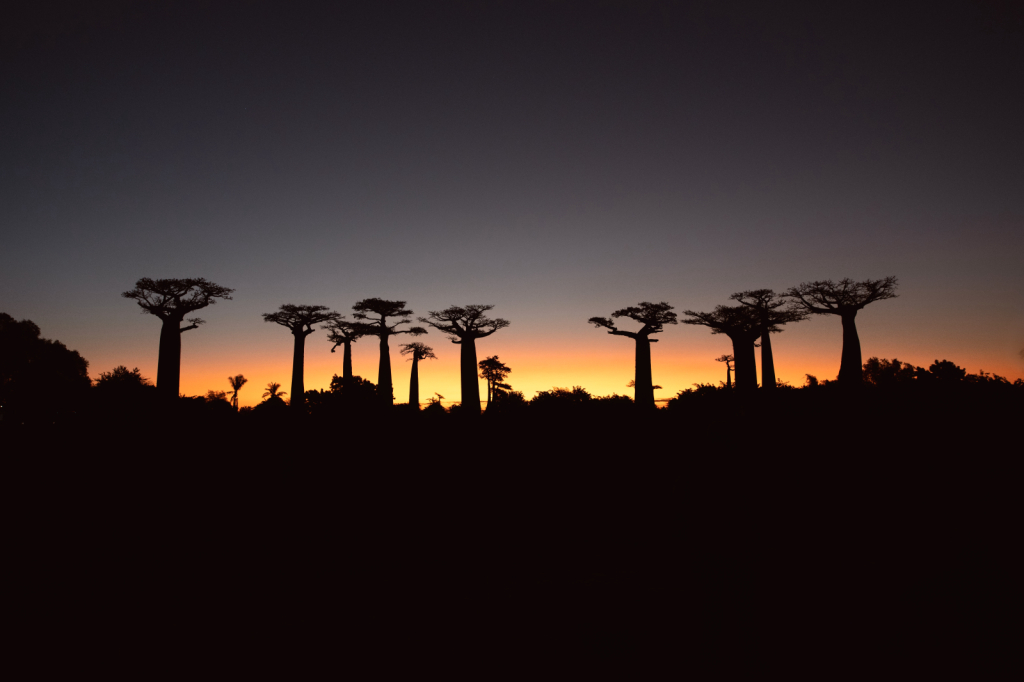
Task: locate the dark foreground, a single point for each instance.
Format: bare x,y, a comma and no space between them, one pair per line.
846,523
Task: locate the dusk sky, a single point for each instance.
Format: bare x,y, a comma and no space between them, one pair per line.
559,160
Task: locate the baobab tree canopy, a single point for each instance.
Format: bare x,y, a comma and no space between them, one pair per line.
374,314
743,326
173,299
773,310
301,318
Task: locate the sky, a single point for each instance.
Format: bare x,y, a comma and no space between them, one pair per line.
558,160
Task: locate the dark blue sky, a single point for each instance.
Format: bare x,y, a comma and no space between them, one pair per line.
557,159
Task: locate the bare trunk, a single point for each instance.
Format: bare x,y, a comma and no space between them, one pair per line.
346,364
643,382
767,362
728,375
470,385
168,368
746,364
850,368
414,383
385,388
298,367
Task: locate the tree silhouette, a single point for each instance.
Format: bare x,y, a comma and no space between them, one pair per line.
727,359
773,310
653,317
373,314
464,325
344,333
171,300
742,325
273,391
236,382
495,372
418,351
300,320
844,298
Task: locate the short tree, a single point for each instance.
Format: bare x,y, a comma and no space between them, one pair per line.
727,359
172,300
299,319
653,317
494,371
774,310
343,332
274,391
844,298
373,314
464,325
236,382
743,326
418,351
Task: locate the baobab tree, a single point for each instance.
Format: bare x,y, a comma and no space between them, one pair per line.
774,310
494,371
743,326
344,333
172,300
653,317
236,382
844,298
464,325
373,314
299,319
418,351
727,359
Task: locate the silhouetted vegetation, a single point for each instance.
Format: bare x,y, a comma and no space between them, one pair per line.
653,317
494,371
742,324
844,298
299,319
418,351
727,359
172,300
345,333
464,325
373,314
772,311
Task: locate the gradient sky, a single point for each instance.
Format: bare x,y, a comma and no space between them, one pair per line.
559,160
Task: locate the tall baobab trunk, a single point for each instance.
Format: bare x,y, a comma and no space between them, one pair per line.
643,381
385,388
728,373
414,383
346,364
850,369
298,367
470,385
168,368
746,364
767,361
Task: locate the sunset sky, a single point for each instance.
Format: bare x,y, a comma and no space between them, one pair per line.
559,160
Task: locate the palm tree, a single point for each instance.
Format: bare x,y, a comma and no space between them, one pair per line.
236,383
273,391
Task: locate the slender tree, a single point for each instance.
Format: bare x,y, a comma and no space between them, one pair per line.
844,298
373,314
727,359
299,319
344,333
653,317
464,325
172,300
773,310
495,372
418,351
236,382
743,326
274,391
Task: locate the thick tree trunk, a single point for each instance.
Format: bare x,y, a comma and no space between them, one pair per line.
414,383
643,383
470,385
850,368
385,389
298,367
346,364
728,375
168,368
746,364
767,362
